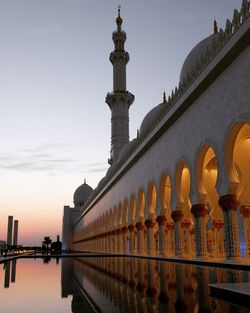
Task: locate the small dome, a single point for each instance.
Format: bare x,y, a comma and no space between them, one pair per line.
195,55
150,118
81,194
127,150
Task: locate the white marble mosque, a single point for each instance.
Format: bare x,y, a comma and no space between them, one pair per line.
182,187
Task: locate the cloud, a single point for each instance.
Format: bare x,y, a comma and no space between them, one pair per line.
56,29
44,158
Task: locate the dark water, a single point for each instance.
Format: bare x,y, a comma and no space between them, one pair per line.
112,285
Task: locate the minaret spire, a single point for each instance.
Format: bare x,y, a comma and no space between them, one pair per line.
119,100
119,19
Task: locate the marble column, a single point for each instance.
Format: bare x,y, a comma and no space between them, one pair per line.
229,204
120,240
199,212
169,235
131,229
178,234
161,220
218,250
150,224
185,224
245,212
124,235
115,242
140,226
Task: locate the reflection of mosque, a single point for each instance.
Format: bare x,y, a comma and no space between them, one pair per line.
140,285
181,188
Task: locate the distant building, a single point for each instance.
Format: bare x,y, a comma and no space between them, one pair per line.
2,243
10,230
181,188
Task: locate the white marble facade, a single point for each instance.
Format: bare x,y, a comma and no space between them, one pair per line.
182,186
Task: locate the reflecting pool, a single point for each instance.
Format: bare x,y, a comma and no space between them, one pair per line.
106,284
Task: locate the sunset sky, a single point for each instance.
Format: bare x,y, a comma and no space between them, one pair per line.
54,76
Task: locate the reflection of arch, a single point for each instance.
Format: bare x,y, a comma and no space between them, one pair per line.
141,204
165,194
237,160
152,200
132,210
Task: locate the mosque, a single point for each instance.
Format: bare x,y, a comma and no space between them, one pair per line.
181,188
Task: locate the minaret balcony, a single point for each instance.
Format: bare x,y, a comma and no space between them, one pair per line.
116,96
119,55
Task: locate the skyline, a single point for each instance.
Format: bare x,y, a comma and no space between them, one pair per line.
55,76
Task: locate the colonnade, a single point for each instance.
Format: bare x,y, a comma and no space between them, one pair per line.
161,219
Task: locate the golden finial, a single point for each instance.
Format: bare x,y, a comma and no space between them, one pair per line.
119,19
215,27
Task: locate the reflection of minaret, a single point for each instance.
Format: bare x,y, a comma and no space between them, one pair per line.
7,275
13,271
119,100
15,237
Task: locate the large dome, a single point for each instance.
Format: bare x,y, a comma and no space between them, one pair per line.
81,194
195,55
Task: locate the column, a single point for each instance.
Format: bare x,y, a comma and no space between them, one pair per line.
178,235
245,212
218,250
169,230
115,241
161,220
185,224
229,204
199,212
124,234
140,238
120,240
150,224
131,229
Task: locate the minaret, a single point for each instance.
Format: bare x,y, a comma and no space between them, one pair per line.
119,100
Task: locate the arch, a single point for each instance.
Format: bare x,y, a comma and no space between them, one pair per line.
141,205
106,222
237,160
165,194
183,184
152,200
114,218
125,213
110,219
132,210
119,217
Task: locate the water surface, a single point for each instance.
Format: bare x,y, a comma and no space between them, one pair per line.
106,284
